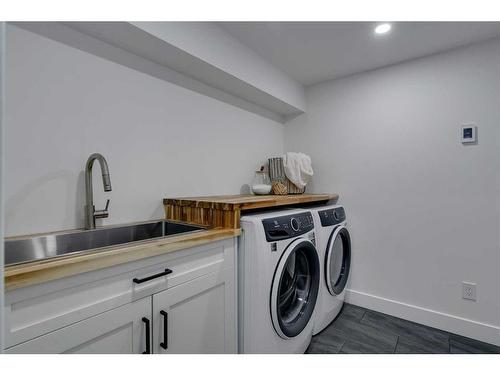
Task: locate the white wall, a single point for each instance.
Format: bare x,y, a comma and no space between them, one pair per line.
423,208
160,140
2,59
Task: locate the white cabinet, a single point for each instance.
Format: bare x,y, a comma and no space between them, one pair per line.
121,330
197,316
105,311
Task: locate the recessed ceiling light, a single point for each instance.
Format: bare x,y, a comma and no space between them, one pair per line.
383,28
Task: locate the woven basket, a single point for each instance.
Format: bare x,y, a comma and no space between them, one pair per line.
277,173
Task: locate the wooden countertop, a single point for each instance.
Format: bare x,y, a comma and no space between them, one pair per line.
22,275
225,210
248,201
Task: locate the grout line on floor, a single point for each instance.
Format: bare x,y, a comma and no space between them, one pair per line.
396,346
362,316
341,347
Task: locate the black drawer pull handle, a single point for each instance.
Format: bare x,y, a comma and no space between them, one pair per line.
164,344
148,338
164,273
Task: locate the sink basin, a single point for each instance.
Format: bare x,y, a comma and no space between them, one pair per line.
21,250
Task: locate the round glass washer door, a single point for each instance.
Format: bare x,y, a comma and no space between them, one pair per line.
295,288
338,260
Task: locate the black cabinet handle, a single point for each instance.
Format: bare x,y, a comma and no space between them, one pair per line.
164,273
164,344
148,338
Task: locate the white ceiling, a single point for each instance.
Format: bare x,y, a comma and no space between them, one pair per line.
312,52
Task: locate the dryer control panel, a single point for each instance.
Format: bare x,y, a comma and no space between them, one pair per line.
289,226
332,216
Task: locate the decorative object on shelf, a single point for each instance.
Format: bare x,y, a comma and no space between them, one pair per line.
277,174
261,184
298,168
279,188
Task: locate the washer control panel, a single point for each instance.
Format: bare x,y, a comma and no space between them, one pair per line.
289,226
332,216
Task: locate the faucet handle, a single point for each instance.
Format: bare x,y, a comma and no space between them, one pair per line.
102,214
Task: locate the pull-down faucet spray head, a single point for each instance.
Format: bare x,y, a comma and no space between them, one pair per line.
106,181
90,213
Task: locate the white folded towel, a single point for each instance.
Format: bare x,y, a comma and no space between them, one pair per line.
298,168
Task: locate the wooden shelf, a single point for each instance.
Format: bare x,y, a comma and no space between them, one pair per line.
224,211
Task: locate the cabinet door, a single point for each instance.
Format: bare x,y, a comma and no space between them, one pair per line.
121,330
198,316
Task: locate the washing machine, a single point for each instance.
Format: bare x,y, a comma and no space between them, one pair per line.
278,282
334,247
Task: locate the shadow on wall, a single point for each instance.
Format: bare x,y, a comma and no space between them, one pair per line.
310,187
80,200
159,211
245,189
61,178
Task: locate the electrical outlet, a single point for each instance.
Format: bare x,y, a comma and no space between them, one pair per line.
468,290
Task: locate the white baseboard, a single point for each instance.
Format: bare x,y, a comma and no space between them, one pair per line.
446,322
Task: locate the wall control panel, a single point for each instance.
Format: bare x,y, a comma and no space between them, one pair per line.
468,134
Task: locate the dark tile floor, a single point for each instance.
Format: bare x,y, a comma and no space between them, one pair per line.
361,331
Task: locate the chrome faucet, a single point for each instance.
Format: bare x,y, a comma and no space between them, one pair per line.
90,212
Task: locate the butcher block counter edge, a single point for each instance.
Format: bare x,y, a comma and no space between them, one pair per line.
22,275
248,201
224,211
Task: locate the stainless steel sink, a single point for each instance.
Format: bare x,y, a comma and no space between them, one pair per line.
20,250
